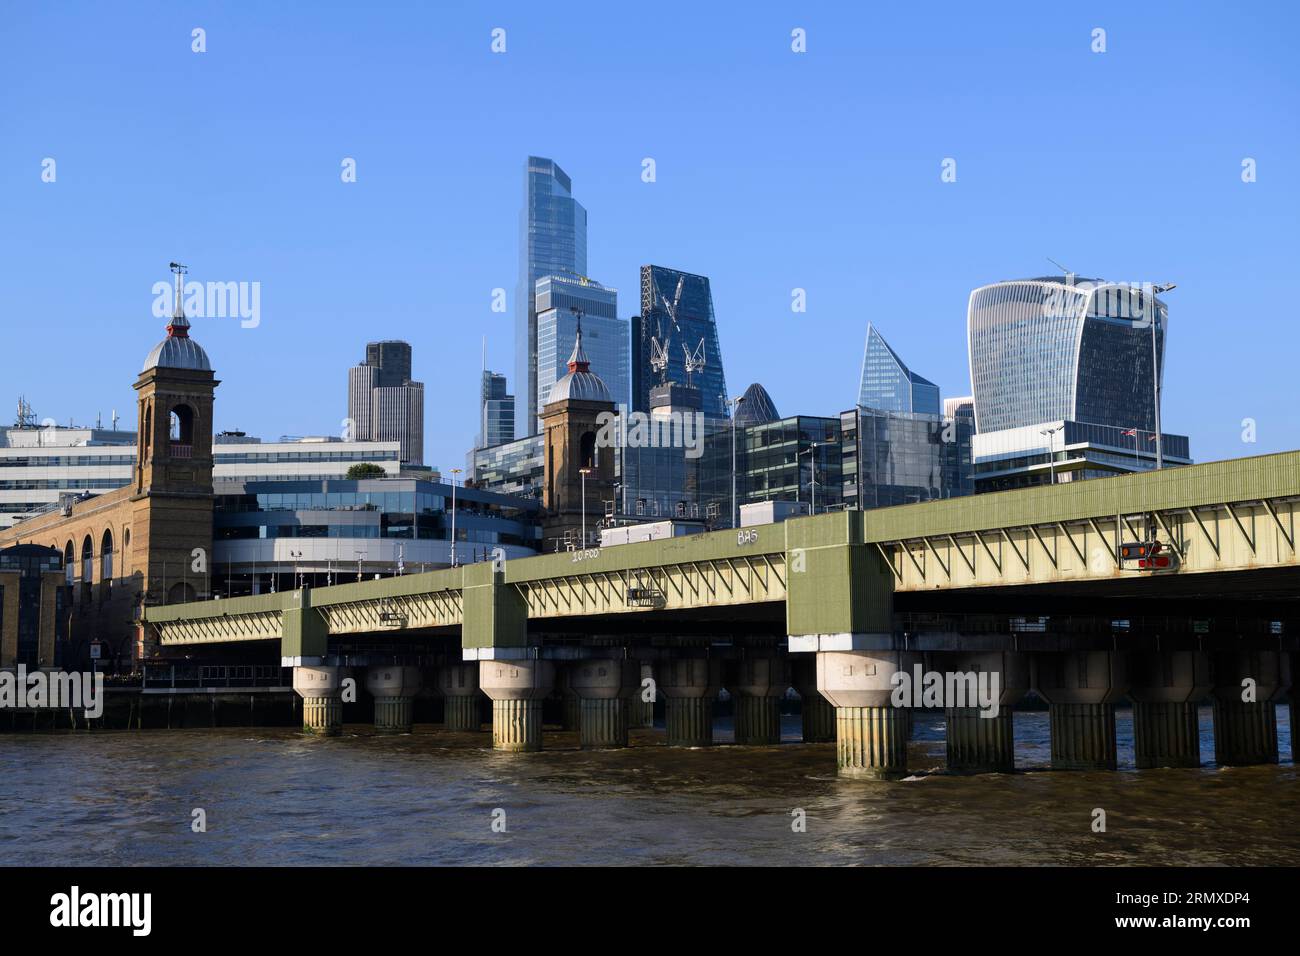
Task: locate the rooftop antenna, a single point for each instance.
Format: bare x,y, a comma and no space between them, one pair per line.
114,419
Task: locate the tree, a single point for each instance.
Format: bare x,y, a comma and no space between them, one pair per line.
365,470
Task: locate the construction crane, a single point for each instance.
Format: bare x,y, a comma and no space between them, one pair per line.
695,361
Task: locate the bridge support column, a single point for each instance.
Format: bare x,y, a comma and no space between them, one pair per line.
1166,689
320,688
690,686
394,690
816,713
870,732
642,712
757,684
603,687
458,684
1081,688
1245,730
516,688
981,739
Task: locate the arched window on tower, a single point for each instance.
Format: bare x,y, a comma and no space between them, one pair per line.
181,432
87,568
106,564
70,566
587,450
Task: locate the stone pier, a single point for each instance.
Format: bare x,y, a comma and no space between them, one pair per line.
979,740
394,690
870,733
321,689
1081,688
757,684
1166,688
603,687
1245,716
458,685
516,688
816,713
689,686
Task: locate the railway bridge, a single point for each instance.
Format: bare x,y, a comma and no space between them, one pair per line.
1053,589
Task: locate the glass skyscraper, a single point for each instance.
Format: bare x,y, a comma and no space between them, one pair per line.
553,241
889,385
677,315
1060,348
604,335
497,411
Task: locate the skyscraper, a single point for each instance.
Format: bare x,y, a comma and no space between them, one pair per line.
497,411
553,241
1062,371
384,404
675,339
604,335
889,385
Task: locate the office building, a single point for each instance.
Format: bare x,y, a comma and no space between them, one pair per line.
384,403
553,241
896,458
559,300
496,411
889,385
675,340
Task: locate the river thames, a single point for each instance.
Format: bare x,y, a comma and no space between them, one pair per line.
272,796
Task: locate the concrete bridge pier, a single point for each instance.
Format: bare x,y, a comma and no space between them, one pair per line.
757,684
1166,688
570,702
321,688
980,740
516,688
1245,731
458,684
689,685
816,713
394,690
641,713
870,732
1081,688
603,686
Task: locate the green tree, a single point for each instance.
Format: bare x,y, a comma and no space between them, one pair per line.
365,470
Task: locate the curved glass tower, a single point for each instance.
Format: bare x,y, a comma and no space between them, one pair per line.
1059,348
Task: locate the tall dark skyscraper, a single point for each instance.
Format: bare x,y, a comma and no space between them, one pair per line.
676,328
384,404
552,241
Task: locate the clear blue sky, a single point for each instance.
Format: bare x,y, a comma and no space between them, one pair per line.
775,171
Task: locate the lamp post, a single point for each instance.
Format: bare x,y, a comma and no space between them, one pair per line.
1154,309
735,407
584,472
1051,453
454,479
812,483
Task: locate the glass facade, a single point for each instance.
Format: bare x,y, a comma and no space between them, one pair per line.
888,384
553,241
896,458
497,411
604,335
677,311
791,459
515,468
1053,349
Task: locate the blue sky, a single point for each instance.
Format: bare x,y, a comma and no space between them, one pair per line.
775,170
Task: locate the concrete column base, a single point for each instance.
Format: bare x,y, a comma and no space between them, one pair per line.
757,720
1244,734
322,716
871,742
980,744
1083,736
689,721
1166,735
394,715
517,724
818,718
603,723
460,713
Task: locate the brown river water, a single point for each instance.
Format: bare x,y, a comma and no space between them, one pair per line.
274,797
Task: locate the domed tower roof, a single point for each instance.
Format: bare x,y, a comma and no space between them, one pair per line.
178,350
581,383
756,407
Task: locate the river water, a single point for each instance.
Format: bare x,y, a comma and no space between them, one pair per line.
275,797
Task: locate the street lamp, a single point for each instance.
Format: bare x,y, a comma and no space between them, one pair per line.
735,407
584,472
1051,453
454,479
1155,367
812,483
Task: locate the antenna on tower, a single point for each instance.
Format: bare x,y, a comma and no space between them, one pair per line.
178,310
